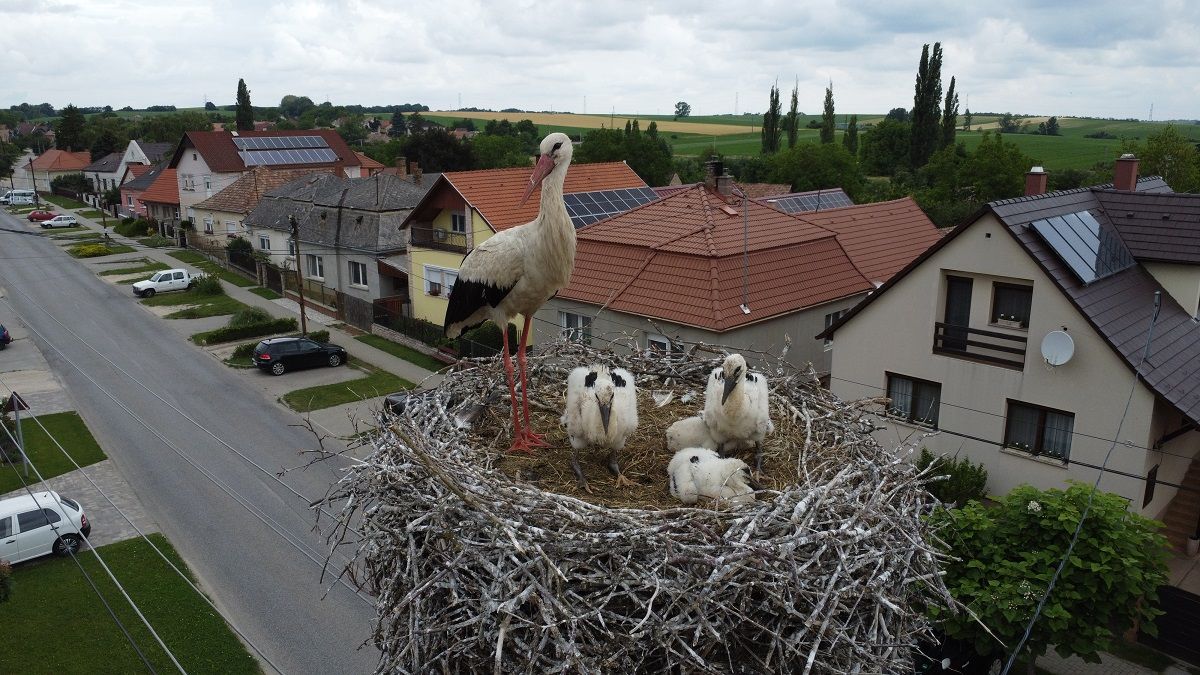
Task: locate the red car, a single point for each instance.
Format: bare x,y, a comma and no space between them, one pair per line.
40,215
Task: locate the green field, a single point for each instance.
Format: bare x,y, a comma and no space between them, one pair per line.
377,383
68,429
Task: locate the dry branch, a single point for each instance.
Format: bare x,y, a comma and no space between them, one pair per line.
478,571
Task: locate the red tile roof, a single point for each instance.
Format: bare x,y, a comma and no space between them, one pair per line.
243,194
61,160
761,190
495,193
366,162
221,154
137,169
881,238
164,189
680,259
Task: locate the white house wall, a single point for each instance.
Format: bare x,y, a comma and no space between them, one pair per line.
192,164
895,334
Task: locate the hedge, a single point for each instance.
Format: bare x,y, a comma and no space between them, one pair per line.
230,333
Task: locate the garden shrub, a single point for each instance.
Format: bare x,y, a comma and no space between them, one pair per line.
156,241
967,481
249,316
134,228
231,333
319,335
486,341
89,251
208,285
5,580
244,351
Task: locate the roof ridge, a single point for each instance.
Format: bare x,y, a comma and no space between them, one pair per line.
1105,187
513,169
714,282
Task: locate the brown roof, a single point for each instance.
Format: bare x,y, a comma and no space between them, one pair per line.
366,162
221,154
61,160
247,191
495,192
164,189
761,190
136,170
1162,227
881,238
680,259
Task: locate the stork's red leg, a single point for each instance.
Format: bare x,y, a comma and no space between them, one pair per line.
519,443
534,440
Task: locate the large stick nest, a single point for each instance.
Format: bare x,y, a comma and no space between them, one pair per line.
481,563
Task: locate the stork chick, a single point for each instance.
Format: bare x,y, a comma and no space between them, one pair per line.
690,432
601,410
736,407
700,472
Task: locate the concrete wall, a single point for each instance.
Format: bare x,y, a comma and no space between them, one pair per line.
1181,281
896,332
207,183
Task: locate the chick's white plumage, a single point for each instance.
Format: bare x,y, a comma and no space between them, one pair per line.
690,432
737,406
601,411
697,473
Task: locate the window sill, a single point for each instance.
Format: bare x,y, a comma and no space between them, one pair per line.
1009,326
905,422
361,287
1048,461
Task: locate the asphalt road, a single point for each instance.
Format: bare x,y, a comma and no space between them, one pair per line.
265,586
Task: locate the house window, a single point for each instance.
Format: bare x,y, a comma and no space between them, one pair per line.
208,182
439,281
1011,303
131,201
914,400
830,318
659,344
576,327
316,266
264,242
291,247
458,223
208,225
230,229
358,274
1038,431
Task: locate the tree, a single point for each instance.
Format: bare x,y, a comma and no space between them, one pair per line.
107,135
498,152
816,166
68,132
245,112
9,153
438,150
648,156
682,109
170,128
1009,124
1171,155
1050,127
353,128
949,116
1000,560
652,129
967,120
827,121
210,106
850,138
926,113
399,126
792,123
771,128
885,147
898,115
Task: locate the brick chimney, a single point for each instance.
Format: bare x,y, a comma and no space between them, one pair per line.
712,169
402,165
1126,174
725,184
415,170
1035,181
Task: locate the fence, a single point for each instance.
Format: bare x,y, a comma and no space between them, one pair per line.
481,342
221,256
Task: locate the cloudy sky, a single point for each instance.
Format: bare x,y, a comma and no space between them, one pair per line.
1099,58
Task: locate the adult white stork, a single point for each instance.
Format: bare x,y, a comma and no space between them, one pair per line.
516,271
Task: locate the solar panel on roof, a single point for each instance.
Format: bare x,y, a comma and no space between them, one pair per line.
289,156
812,201
586,208
1092,250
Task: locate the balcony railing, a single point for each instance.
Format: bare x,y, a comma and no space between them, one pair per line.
1001,349
443,240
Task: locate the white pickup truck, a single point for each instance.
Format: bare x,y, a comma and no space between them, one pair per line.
166,280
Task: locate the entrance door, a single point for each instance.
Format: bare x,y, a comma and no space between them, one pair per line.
958,312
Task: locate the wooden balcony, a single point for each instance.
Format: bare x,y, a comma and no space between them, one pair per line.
986,346
441,240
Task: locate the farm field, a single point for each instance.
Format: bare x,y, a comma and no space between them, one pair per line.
594,121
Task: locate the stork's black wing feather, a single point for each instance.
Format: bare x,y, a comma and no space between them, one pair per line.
468,296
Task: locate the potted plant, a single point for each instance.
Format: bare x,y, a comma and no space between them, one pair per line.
1009,321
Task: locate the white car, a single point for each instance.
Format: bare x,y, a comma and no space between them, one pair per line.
60,221
31,527
166,280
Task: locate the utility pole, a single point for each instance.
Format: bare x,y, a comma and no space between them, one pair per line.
299,273
15,404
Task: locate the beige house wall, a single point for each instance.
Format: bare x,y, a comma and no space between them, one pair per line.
197,182
1181,281
895,334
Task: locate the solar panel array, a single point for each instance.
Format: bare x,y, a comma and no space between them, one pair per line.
276,150
586,208
1092,250
812,201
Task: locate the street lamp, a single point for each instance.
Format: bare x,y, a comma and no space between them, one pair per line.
299,275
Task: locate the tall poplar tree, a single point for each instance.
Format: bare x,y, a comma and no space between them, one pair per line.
926,112
771,129
68,133
827,122
792,125
245,112
850,138
949,116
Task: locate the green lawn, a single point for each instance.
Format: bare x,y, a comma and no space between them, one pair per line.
71,432
407,353
92,214
77,232
265,293
205,305
148,268
63,202
100,250
194,258
376,383
55,623
155,241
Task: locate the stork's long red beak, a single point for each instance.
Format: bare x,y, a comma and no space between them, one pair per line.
544,166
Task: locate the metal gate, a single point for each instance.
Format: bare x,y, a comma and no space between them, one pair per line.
1179,626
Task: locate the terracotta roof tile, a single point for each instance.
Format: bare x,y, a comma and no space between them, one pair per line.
221,154
761,190
495,192
881,238
137,170
366,162
61,160
247,191
164,189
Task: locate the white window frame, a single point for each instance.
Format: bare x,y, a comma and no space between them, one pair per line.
230,229
315,266
661,343
830,318
575,327
358,274
439,281
264,242
208,226
458,223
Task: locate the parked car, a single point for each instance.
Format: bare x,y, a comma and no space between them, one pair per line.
33,526
35,216
5,338
279,355
60,221
17,197
166,280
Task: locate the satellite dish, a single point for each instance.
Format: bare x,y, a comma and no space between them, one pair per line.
1057,347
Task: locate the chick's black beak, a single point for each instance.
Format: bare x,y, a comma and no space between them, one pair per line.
605,413
730,383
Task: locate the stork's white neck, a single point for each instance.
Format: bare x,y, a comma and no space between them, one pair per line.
555,240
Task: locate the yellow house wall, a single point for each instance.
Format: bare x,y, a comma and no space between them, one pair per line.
1181,281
